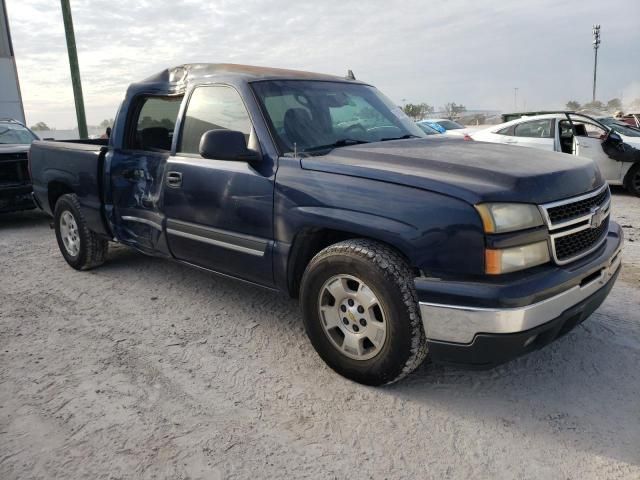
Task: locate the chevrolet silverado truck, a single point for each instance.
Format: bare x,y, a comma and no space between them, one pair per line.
399,247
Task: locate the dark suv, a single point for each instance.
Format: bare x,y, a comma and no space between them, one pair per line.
15,182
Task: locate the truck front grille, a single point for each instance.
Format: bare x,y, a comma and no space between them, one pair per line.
14,170
570,211
568,246
579,225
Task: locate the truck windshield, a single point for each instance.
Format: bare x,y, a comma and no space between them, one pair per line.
313,117
14,134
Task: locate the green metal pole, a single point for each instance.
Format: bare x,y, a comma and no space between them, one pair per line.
75,71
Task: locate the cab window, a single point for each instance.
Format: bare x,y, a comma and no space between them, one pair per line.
154,123
212,108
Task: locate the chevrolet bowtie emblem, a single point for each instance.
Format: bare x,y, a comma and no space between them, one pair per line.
597,217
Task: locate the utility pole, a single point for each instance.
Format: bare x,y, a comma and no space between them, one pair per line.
75,71
515,99
596,45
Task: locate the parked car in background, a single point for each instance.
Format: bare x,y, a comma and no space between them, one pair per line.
632,119
574,134
15,183
432,125
427,129
450,127
629,134
399,246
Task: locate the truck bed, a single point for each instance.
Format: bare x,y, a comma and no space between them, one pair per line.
70,166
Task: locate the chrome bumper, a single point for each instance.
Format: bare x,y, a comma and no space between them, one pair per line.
460,324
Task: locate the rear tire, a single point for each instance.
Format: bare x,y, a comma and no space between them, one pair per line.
632,179
80,247
361,312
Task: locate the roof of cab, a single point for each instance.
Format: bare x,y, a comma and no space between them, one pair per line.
176,78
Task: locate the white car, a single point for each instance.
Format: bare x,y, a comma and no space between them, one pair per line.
617,157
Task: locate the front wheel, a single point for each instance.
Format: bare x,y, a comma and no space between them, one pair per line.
361,312
632,179
80,247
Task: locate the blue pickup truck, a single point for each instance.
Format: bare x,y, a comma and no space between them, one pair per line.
399,246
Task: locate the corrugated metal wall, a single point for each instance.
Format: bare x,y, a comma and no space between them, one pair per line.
10,99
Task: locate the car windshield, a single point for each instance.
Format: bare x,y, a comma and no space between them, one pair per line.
314,117
429,130
449,124
619,127
14,134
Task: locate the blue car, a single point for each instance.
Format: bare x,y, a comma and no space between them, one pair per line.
432,125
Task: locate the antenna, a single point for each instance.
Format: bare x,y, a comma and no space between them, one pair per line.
350,75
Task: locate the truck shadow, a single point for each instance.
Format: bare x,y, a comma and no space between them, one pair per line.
23,219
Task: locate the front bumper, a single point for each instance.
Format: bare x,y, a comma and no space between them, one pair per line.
484,336
16,198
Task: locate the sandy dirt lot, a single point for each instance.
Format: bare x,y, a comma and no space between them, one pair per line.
146,369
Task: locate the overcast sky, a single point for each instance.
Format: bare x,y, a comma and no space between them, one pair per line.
469,52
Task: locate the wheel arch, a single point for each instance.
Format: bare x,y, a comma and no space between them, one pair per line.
308,242
55,189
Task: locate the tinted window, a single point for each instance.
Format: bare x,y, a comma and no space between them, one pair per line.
155,123
213,108
506,130
534,129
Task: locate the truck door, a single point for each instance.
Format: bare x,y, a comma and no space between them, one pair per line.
587,141
219,213
137,172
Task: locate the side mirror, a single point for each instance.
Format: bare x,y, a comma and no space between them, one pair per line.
226,145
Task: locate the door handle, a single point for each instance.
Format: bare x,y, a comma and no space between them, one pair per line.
174,179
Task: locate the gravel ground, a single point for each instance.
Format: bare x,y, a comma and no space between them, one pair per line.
145,368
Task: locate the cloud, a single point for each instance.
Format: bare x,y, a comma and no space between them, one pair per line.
470,53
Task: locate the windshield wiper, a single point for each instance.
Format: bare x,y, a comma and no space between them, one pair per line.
343,142
403,137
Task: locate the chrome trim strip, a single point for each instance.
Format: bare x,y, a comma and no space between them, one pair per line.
217,243
460,324
129,218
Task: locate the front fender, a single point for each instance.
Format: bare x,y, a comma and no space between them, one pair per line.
439,234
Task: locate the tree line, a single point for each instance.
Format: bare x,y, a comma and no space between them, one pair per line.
418,111
42,126
613,105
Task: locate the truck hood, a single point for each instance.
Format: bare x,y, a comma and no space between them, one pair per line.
472,171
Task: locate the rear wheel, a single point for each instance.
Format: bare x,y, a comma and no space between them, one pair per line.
80,247
632,179
361,312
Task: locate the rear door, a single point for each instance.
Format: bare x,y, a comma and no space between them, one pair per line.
219,212
587,140
137,172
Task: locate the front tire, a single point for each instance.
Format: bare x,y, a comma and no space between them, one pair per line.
80,247
361,312
632,179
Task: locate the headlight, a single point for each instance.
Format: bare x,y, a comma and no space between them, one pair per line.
507,260
507,217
